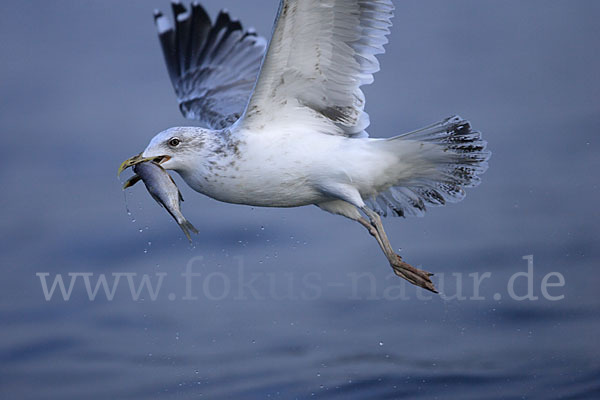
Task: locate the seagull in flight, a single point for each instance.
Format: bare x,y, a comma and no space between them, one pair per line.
283,124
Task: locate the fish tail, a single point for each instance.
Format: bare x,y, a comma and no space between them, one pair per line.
186,226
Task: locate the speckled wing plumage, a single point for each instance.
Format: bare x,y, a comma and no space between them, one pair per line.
213,67
321,52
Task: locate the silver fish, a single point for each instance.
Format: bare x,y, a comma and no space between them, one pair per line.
163,189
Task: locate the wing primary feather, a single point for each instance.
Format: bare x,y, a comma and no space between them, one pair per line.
200,26
227,42
177,8
212,41
166,36
182,34
213,66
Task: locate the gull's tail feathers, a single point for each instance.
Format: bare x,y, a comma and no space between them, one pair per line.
445,158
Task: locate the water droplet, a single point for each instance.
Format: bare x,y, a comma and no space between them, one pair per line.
381,343
140,230
262,228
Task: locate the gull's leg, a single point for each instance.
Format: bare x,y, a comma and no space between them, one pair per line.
372,231
349,209
402,269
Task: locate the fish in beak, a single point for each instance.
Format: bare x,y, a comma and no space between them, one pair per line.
162,188
138,159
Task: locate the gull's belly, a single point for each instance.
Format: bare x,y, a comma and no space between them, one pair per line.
260,175
275,184
284,171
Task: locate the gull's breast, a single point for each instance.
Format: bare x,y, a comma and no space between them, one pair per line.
266,176
264,185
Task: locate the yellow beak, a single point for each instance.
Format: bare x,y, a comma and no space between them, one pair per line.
130,162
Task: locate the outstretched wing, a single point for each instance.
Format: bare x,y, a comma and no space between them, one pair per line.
213,67
321,52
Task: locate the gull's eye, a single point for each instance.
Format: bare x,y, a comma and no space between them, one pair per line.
174,142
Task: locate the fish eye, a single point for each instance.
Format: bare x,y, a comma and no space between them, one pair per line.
174,142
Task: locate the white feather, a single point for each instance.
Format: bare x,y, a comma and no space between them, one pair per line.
320,54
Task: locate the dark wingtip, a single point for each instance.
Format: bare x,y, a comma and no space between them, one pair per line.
199,14
223,18
235,25
177,7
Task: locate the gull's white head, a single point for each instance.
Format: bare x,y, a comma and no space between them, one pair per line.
176,149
